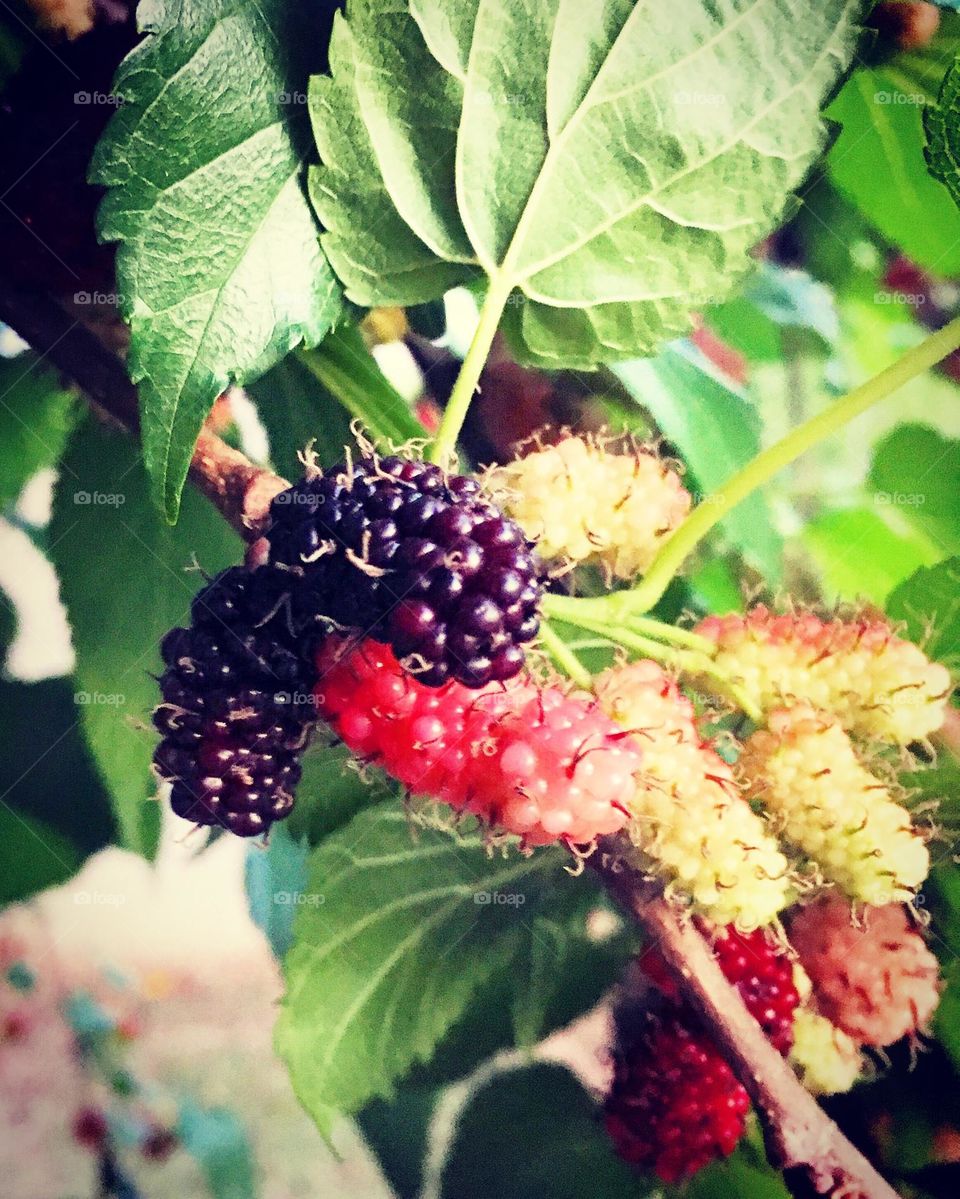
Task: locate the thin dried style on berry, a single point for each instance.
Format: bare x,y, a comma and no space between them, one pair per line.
237,704
688,819
582,502
532,762
874,682
416,558
872,973
803,768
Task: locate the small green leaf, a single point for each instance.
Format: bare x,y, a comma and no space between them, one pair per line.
535,1132
861,556
929,605
716,430
274,880
916,473
219,269
344,365
395,937
36,417
877,162
610,165
124,578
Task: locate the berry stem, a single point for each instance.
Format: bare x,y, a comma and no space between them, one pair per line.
455,413
688,661
564,656
769,463
601,608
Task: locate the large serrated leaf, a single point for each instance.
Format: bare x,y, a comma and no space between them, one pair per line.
125,579
219,269
943,139
391,943
608,164
929,605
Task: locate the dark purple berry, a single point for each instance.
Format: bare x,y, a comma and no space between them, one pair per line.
416,557
237,701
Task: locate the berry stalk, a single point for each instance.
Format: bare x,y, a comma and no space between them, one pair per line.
455,413
769,463
564,657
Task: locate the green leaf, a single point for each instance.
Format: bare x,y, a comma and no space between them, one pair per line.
48,777
877,161
397,1133
33,856
400,936
296,409
219,269
36,416
609,164
860,556
943,143
274,880
344,365
716,430
744,1174
916,473
534,1132
929,605
331,792
124,579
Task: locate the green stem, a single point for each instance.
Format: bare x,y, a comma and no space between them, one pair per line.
605,610
564,657
706,515
688,661
455,413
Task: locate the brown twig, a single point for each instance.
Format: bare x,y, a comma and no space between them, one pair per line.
238,488
800,1137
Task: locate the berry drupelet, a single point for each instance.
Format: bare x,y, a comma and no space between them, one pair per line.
237,708
417,558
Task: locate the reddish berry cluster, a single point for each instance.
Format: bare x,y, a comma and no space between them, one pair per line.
416,558
537,763
675,1104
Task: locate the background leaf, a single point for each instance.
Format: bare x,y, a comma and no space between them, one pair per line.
716,431
929,605
877,161
545,1107
613,167
943,145
36,416
916,473
391,951
124,579
219,270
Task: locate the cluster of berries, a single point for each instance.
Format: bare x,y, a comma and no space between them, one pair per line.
583,503
408,554
675,1105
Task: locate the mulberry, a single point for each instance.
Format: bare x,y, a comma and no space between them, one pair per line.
804,769
875,979
584,503
875,683
688,819
416,558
